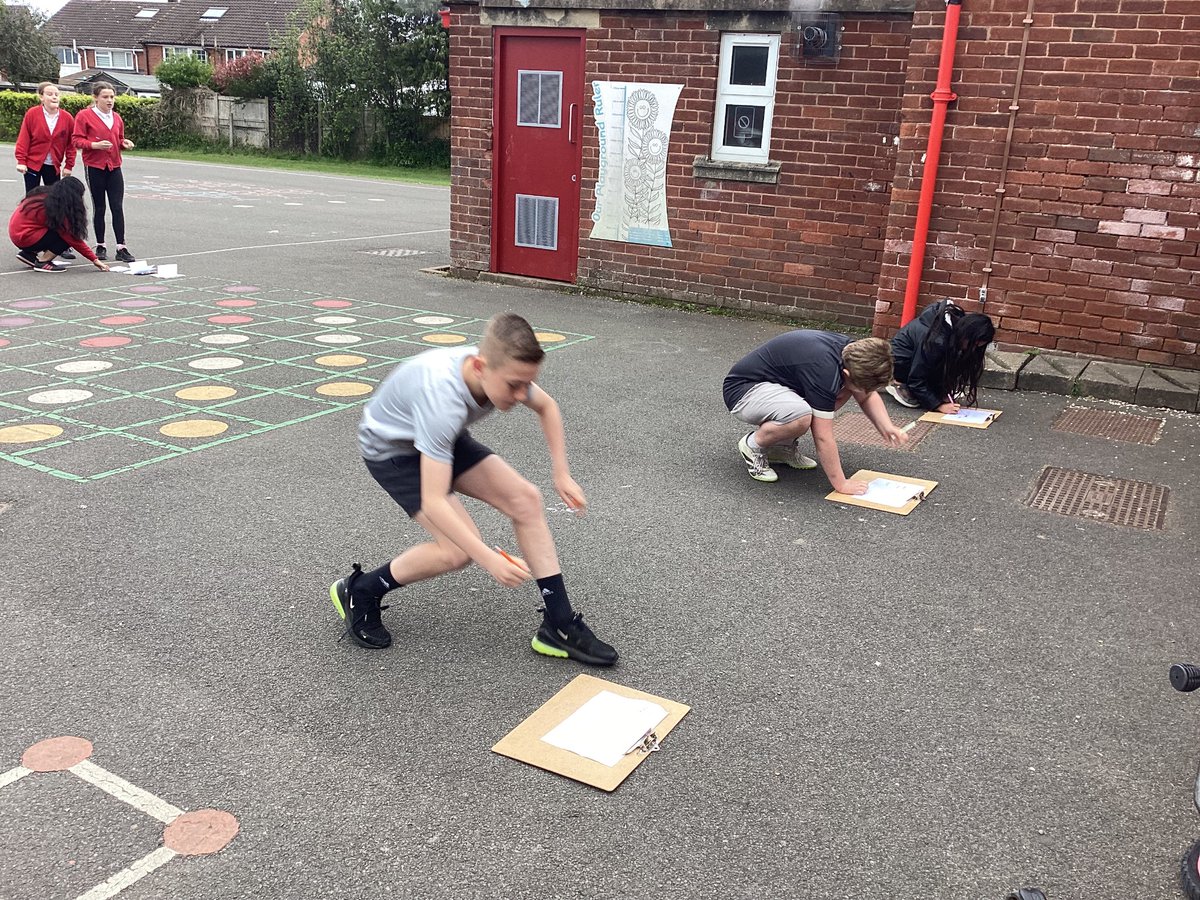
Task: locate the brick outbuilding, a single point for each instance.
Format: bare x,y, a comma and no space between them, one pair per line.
768,156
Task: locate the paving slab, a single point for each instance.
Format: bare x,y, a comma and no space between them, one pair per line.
1170,388
1053,374
1110,381
1001,368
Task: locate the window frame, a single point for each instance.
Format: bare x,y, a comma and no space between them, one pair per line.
757,95
173,50
61,51
111,64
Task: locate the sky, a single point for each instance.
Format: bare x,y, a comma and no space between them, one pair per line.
49,7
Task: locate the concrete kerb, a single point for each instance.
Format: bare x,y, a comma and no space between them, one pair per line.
1099,378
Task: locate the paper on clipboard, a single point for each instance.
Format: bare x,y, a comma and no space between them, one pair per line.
895,494
606,727
969,418
881,495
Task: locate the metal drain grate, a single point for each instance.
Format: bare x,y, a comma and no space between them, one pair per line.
395,251
856,428
1117,501
1107,423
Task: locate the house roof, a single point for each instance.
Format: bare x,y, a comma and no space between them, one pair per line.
139,83
115,23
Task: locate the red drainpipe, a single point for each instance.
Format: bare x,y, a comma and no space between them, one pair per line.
942,97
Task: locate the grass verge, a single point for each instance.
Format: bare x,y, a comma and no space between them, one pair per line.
326,166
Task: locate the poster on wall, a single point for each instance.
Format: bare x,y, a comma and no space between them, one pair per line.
634,124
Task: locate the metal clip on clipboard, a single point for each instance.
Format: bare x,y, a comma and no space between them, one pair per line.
648,743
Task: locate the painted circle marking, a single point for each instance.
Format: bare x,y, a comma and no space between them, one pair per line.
215,362
444,338
433,320
335,320
28,434
200,832
240,288
237,303
56,754
206,392
31,304
122,320
136,304
230,319
332,304
337,338
83,365
148,289
194,428
344,389
15,321
224,339
341,359
60,396
4,342
549,337
106,340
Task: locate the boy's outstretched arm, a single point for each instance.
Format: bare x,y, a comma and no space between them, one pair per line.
831,462
872,405
435,489
552,426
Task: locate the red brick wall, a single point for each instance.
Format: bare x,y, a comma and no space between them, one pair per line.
810,245
1096,250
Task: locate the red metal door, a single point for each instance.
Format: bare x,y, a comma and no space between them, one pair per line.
537,152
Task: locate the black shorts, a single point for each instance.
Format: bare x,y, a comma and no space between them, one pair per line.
400,476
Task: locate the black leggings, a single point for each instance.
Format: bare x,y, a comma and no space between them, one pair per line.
51,240
47,174
110,184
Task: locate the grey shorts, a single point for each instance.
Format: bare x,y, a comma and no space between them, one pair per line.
769,402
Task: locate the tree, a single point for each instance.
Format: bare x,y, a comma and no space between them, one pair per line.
183,72
26,47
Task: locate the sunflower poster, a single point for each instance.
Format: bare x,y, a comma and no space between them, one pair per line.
634,124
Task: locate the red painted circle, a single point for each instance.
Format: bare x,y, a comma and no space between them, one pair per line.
229,319
4,342
237,303
56,754
200,832
332,304
106,340
122,320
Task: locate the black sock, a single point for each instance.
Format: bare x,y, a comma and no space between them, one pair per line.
554,595
377,583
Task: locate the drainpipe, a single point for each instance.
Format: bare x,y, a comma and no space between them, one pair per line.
942,97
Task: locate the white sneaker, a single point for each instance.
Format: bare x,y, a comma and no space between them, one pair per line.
790,455
756,461
901,396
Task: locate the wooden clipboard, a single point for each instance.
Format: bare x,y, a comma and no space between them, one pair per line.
868,475
943,419
524,743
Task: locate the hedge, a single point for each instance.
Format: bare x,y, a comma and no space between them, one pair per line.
143,124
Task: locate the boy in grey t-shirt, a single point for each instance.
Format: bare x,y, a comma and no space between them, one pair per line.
414,440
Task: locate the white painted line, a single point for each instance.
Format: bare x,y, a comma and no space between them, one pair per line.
337,201
293,204
242,206
126,792
130,874
12,775
365,237
376,200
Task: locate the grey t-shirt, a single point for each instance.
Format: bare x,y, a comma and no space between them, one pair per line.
423,406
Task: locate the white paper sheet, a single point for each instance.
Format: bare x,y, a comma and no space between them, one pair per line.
606,727
894,494
974,416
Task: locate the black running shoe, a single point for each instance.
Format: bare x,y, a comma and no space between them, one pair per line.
362,614
101,253
30,259
67,254
123,255
574,641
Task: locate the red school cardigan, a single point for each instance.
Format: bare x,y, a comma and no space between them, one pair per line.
90,127
28,225
35,142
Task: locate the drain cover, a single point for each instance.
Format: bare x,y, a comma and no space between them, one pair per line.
395,251
1117,501
1107,423
856,428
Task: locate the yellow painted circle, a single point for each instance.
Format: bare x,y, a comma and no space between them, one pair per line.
193,428
344,389
28,434
444,338
205,392
549,337
341,359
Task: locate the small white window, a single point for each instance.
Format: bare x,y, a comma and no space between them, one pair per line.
214,12
146,14
114,59
745,97
67,56
231,54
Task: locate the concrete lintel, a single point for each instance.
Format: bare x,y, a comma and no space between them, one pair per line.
1110,381
1001,368
1053,374
540,18
719,170
1170,388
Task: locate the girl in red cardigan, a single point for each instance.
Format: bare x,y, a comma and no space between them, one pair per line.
100,134
49,220
44,144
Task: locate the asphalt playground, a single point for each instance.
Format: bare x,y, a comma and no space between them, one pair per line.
950,704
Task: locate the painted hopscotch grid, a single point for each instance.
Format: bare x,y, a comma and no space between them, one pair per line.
105,381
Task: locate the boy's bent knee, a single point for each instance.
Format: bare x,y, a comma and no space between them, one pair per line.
526,502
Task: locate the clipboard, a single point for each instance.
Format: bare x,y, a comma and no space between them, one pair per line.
868,475
943,419
524,743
